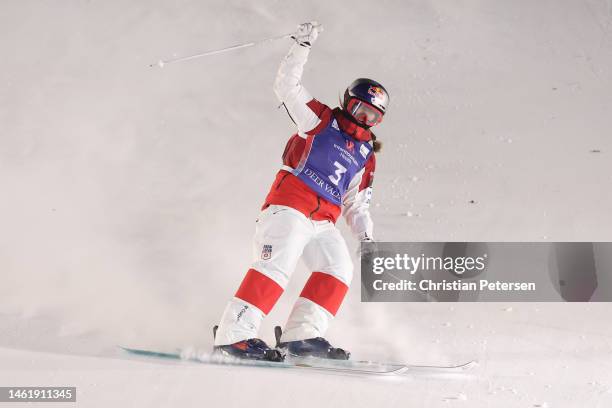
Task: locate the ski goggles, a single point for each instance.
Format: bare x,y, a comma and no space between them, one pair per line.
364,113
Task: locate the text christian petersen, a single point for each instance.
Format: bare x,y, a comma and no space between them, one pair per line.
456,266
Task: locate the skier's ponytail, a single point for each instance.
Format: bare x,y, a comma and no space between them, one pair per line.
377,145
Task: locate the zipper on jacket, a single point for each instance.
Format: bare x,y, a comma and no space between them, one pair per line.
316,209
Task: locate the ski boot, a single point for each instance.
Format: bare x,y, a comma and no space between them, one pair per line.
251,349
315,347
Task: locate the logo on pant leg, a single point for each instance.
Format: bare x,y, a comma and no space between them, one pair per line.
241,312
266,252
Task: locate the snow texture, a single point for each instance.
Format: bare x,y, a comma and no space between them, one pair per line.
129,192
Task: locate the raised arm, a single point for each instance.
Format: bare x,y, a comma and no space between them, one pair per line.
304,110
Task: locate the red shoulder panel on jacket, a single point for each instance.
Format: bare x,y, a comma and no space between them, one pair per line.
323,112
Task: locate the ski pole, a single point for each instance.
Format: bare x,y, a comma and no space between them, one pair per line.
161,63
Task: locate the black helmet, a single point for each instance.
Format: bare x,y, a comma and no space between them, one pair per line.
366,101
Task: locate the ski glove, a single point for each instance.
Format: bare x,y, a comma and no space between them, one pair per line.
307,33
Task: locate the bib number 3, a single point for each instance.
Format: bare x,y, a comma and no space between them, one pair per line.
340,170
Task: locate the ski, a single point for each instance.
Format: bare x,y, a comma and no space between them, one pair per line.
315,364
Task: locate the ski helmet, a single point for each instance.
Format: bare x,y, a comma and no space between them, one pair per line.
366,101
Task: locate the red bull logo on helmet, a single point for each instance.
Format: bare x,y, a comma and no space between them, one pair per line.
377,92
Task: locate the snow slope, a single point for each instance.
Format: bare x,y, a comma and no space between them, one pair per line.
530,355
129,193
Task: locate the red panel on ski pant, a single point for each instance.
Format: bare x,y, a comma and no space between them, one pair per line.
259,290
325,290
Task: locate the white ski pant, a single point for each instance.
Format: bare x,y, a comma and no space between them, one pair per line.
282,236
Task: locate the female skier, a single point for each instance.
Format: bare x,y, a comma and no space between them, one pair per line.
328,167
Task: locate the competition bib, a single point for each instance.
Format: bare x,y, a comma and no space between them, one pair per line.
330,162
